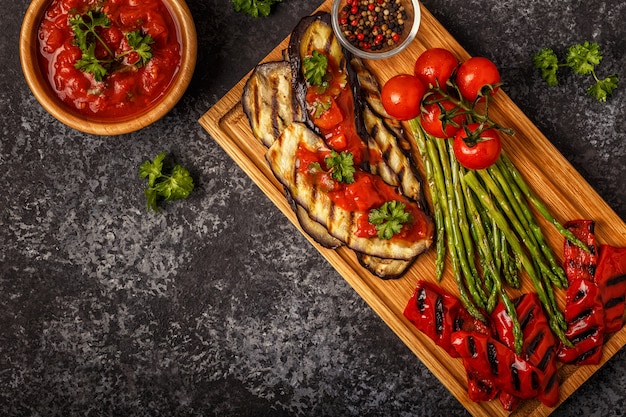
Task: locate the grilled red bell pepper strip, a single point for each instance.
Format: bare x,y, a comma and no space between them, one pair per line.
539,346
438,314
611,280
480,389
487,359
584,315
578,263
584,312
509,402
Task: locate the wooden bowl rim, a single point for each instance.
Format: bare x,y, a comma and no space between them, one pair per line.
44,94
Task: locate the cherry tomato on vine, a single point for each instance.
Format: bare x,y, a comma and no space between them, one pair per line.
475,149
441,119
402,96
435,65
474,74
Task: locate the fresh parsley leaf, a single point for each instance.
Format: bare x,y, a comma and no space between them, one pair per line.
341,166
314,168
176,185
151,199
141,45
583,58
548,63
89,63
86,38
84,27
152,169
315,69
254,8
603,88
389,218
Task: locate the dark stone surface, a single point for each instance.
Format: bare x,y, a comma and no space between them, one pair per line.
218,306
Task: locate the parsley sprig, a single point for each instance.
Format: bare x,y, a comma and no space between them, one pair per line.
164,187
315,69
340,166
254,8
582,58
389,218
87,38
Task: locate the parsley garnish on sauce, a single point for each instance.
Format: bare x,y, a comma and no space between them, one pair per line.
87,38
389,218
162,186
341,166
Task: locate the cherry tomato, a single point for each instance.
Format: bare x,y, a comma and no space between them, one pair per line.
481,154
435,65
474,74
402,95
433,119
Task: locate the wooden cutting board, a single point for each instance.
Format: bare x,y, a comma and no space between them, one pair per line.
563,190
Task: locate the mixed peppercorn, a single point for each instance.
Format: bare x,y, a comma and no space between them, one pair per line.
373,24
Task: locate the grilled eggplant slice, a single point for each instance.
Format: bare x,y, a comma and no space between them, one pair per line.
315,32
268,101
269,105
384,268
393,157
314,229
340,223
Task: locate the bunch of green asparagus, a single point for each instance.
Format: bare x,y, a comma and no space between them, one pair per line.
485,219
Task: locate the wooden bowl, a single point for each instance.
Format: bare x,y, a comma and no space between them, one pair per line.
43,92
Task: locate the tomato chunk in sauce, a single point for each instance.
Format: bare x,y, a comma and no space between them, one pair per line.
129,87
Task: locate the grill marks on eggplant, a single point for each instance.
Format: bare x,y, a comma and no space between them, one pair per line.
387,133
384,268
395,161
274,98
339,222
268,101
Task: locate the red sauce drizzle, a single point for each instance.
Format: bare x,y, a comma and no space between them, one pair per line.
366,193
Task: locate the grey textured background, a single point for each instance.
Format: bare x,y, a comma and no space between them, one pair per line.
218,306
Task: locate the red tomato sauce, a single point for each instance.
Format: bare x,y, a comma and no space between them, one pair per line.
127,89
366,193
337,124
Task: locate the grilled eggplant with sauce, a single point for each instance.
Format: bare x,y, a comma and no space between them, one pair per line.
290,157
272,107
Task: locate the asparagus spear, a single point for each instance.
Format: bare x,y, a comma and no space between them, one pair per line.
539,205
440,242
555,317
